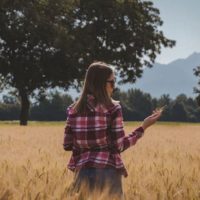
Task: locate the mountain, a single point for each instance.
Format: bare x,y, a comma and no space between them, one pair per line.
173,78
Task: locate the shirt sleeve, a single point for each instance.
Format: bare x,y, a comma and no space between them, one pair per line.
118,138
68,139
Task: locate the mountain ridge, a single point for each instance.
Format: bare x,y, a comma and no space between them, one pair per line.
173,78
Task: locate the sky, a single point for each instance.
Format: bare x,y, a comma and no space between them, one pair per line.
181,23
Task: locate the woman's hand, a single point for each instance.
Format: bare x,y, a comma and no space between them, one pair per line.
150,120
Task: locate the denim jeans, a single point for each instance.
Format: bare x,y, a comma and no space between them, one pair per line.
99,179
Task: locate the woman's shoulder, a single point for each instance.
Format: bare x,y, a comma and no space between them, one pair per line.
115,102
116,105
70,109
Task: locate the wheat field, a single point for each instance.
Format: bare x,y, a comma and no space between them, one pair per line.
163,165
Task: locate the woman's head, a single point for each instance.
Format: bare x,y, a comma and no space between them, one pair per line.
99,82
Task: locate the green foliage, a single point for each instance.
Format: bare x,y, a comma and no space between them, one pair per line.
9,111
123,33
45,43
140,102
52,109
178,111
197,90
30,57
136,106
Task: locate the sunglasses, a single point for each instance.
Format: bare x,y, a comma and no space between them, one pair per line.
112,82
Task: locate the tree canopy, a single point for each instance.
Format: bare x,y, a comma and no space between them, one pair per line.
45,43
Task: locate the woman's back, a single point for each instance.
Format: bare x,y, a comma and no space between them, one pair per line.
94,140
90,129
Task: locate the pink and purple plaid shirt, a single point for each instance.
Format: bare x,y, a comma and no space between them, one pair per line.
97,138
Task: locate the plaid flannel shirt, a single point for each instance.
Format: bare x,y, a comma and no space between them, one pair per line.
97,138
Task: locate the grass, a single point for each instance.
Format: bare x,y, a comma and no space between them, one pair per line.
163,165
127,123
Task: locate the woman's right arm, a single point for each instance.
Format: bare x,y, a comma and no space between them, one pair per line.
118,138
68,137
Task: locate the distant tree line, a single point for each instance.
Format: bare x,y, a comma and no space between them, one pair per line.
136,105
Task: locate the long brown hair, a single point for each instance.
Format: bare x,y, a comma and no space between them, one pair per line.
95,84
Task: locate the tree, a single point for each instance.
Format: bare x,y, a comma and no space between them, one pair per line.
191,107
197,90
52,108
9,107
44,44
128,113
124,33
31,56
198,100
165,100
9,99
178,112
140,103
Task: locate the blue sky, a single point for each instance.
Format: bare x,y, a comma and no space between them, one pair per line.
181,23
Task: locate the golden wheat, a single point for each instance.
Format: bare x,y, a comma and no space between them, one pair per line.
163,165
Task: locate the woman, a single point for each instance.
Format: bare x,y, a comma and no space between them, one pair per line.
94,133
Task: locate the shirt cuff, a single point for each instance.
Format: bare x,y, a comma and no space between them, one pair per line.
139,132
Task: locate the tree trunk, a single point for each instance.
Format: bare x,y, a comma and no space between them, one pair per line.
25,105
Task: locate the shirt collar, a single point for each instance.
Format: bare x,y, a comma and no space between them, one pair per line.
91,104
